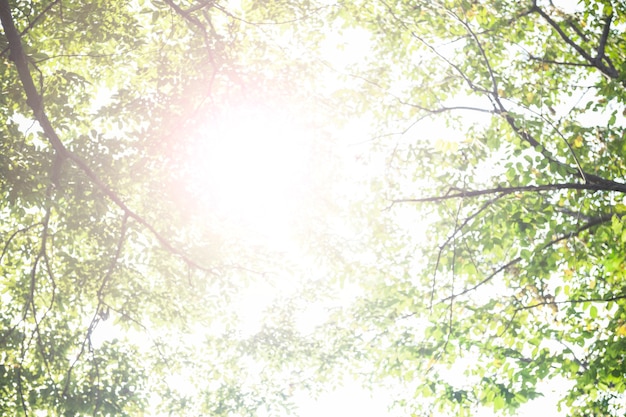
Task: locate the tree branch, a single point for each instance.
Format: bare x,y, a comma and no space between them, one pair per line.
608,71
520,189
35,102
577,301
32,24
603,39
553,62
571,23
496,100
454,66
592,223
492,78
198,24
458,228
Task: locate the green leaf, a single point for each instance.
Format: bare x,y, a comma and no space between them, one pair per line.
498,403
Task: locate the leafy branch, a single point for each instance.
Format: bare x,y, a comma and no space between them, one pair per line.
493,95
99,313
35,102
607,69
458,228
499,108
604,218
201,27
575,301
455,193
33,23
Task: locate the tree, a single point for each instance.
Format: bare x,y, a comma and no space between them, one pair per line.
509,147
501,124
102,104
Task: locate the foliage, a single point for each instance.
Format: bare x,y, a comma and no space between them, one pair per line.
508,152
488,248
118,278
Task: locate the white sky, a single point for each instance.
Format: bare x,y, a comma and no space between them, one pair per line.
268,165
351,400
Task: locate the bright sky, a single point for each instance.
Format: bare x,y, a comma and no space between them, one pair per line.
259,165
351,400
254,173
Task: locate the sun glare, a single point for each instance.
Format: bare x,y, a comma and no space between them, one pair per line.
250,166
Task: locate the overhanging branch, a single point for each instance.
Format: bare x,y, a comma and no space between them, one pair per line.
604,218
617,297
607,70
35,102
33,22
613,186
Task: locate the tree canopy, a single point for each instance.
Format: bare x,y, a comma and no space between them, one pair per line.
517,278
475,224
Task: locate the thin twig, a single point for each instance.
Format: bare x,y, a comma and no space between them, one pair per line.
511,190
592,223
576,301
458,228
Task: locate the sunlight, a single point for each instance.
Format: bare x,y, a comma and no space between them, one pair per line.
250,167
